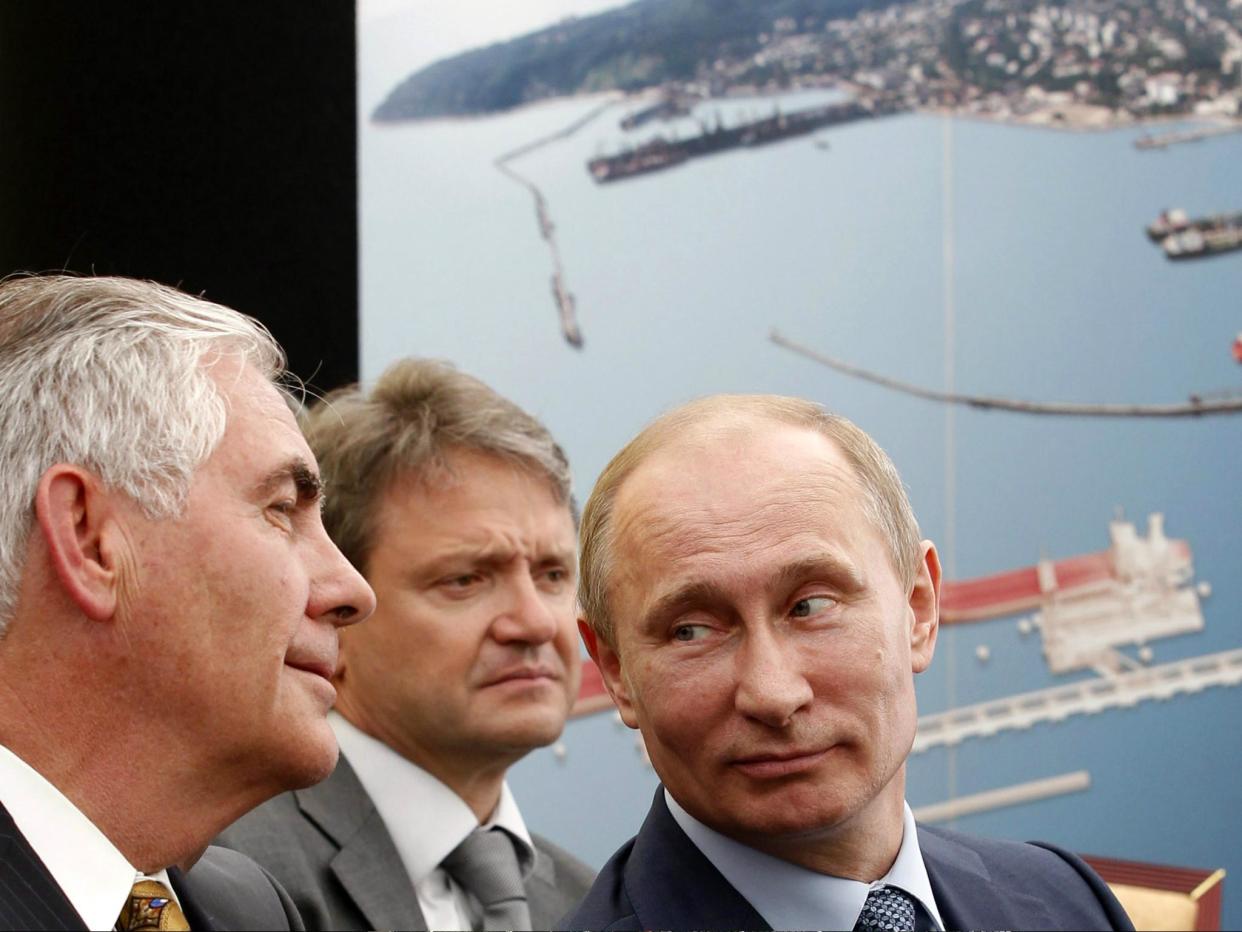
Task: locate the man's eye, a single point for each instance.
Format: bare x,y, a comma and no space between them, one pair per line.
460,584
805,608
285,508
687,633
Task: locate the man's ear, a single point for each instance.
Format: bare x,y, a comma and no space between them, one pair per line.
76,516
925,607
609,663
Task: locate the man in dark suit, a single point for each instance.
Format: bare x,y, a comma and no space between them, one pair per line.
169,607
757,597
456,506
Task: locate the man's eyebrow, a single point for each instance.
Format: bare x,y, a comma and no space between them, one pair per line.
297,471
837,571
840,572
567,555
678,600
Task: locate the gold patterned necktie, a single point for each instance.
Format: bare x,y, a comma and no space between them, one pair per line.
151,906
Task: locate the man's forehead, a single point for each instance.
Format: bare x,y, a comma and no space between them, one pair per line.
260,427
459,471
465,481
709,505
732,455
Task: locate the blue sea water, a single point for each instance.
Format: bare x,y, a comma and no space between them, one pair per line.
1057,295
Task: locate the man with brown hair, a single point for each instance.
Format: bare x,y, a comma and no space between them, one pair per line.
169,606
455,504
758,599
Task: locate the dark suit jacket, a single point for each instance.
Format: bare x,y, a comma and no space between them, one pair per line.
660,880
330,849
224,890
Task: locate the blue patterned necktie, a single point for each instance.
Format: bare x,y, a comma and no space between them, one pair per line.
887,910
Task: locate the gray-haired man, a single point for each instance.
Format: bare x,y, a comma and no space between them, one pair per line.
455,504
169,606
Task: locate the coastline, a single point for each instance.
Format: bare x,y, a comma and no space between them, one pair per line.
1086,118
1057,116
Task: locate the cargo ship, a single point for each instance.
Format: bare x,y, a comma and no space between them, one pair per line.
1169,221
661,153
649,157
669,107
1184,238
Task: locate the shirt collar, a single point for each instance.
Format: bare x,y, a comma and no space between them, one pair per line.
792,897
425,818
94,876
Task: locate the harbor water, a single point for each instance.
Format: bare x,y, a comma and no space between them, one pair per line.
990,259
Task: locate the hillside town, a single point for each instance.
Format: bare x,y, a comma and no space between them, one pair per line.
1078,63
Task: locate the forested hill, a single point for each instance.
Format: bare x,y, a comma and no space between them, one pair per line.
640,45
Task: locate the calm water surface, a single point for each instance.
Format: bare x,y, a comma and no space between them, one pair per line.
1057,294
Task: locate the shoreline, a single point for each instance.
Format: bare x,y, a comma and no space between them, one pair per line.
1098,120
1061,118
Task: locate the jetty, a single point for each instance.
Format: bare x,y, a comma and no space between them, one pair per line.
1177,137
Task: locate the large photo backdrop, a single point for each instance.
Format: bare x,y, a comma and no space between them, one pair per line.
933,218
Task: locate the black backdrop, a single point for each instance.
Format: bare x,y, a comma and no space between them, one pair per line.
208,145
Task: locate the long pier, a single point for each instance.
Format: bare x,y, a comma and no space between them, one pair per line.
1120,690
1176,137
562,297
1195,406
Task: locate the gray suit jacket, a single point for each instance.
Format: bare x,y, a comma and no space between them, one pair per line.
329,848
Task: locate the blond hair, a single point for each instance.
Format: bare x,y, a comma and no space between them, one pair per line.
884,497
416,415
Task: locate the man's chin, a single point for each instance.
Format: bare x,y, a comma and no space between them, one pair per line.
323,768
312,761
776,817
534,715
525,734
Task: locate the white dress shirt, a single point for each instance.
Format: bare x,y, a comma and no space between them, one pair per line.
426,820
94,876
788,896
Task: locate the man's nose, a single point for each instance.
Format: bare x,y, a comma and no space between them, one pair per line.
771,687
340,593
527,616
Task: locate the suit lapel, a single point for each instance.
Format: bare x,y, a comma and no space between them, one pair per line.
29,897
196,914
367,864
966,895
672,885
541,893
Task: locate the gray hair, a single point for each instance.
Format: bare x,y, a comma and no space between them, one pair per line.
417,414
110,374
884,497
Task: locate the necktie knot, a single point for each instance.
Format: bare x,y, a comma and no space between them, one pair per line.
151,906
887,909
486,866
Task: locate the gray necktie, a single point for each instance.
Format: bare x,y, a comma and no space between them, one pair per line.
887,910
486,866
